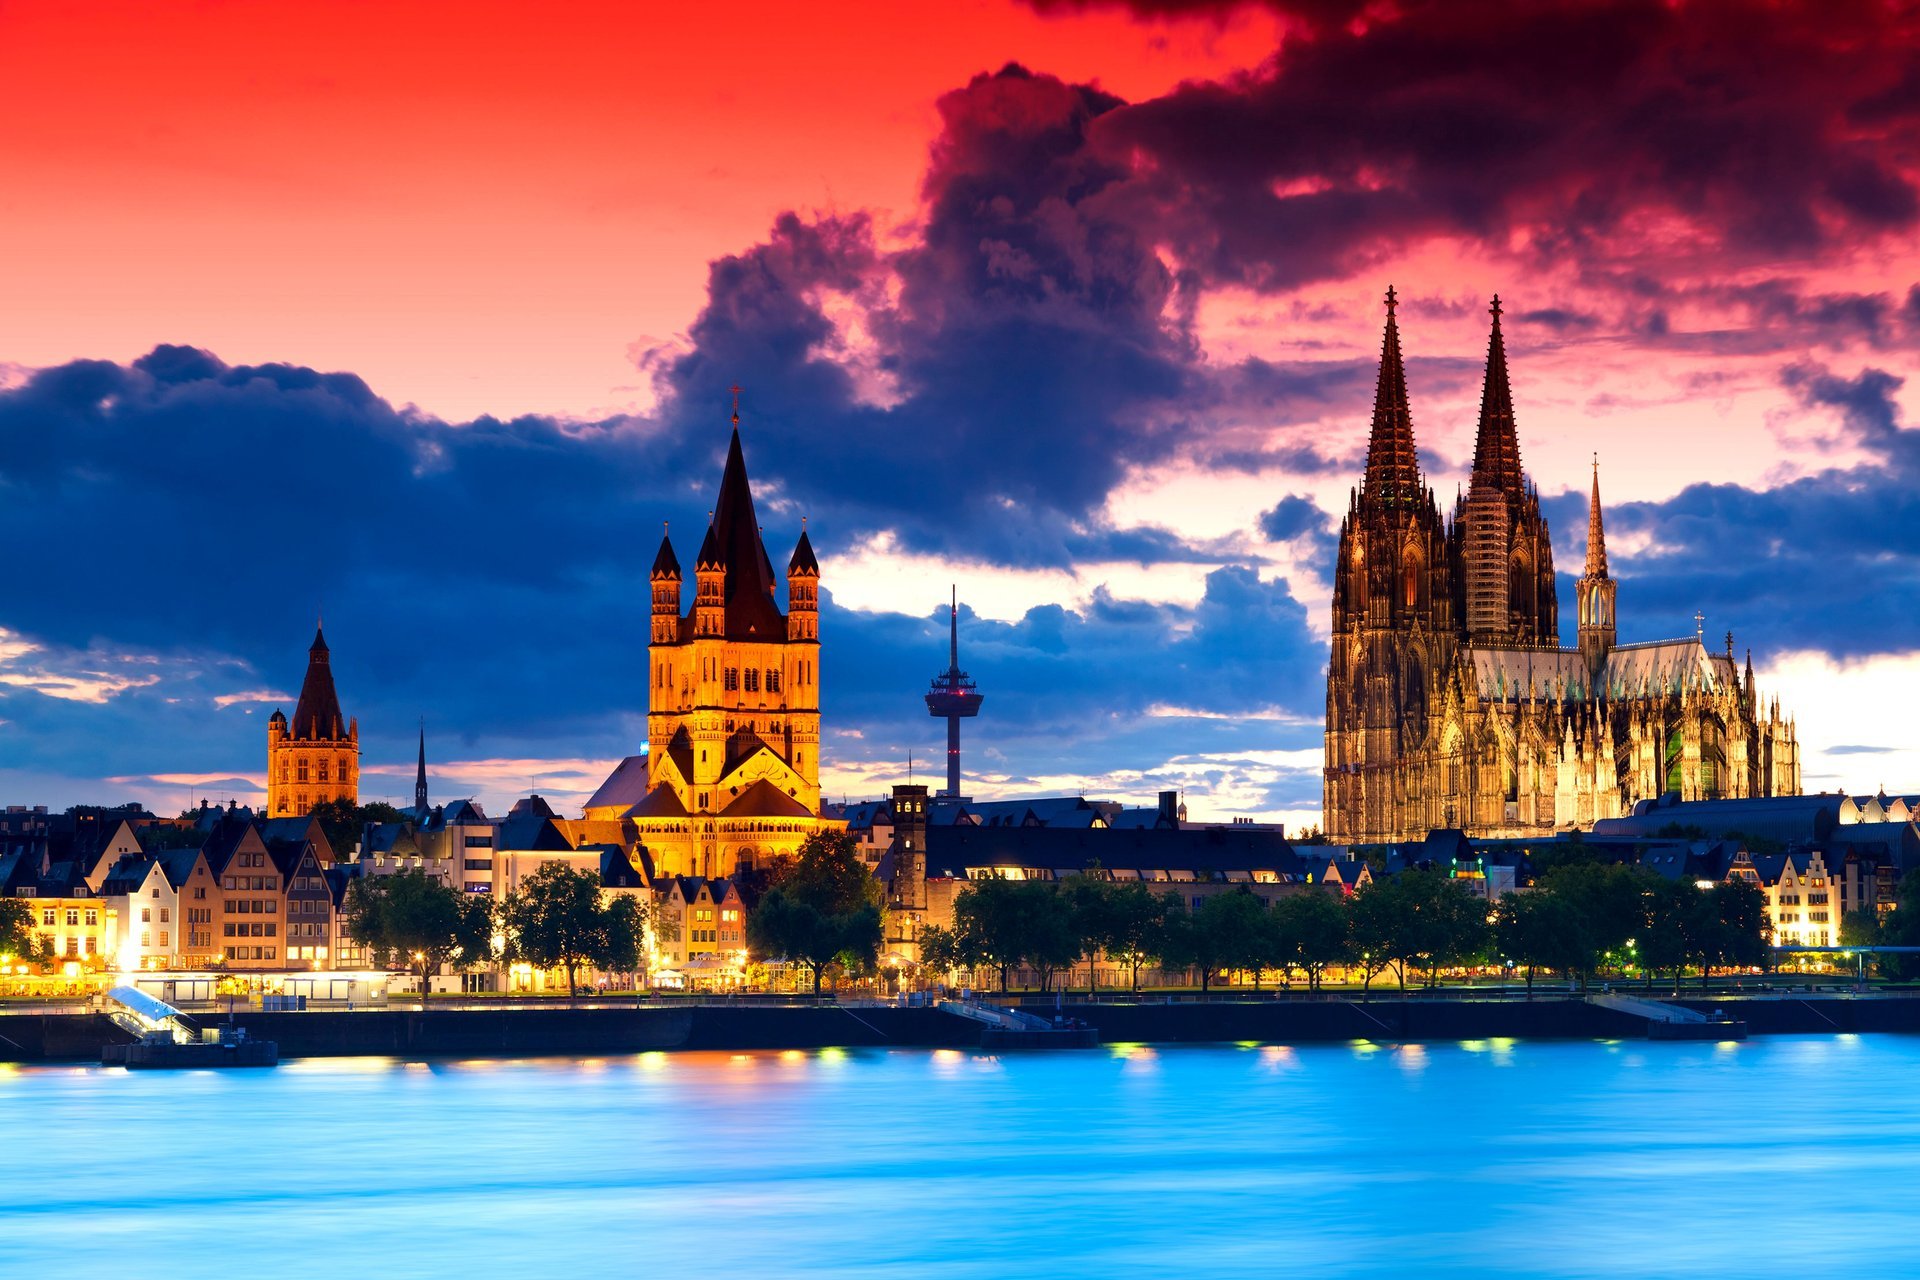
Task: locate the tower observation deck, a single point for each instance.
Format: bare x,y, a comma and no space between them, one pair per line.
953,697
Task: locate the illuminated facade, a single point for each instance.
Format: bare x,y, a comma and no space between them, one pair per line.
316,758
731,777
1450,701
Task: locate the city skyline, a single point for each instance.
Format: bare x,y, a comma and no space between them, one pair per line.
1103,356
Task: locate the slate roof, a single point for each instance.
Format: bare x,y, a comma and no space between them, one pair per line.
531,832
764,800
128,876
463,813
1784,818
624,787
317,714
662,802
865,814
616,872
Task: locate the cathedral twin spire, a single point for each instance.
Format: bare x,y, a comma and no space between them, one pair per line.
1501,549
1496,447
1393,466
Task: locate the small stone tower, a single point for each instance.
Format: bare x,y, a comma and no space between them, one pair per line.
1595,590
907,890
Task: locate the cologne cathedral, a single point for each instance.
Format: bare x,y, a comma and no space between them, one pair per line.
1450,700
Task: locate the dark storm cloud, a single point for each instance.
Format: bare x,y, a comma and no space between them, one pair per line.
1063,679
1830,561
1032,339
489,575
1767,129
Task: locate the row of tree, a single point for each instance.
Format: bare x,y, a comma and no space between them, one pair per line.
557,919
1579,921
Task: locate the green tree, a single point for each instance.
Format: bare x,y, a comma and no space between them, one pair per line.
1273,950
823,907
1901,928
1136,925
1091,897
1220,935
17,938
413,920
828,875
939,950
559,918
1313,931
1378,920
986,917
1610,902
1741,936
1539,929
1049,938
1668,938
1860,928
787,927
1416,917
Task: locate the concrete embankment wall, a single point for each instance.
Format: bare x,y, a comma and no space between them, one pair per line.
1304,1022
518,1032
523,1032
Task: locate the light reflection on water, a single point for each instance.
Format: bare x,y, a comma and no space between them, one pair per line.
1782,1156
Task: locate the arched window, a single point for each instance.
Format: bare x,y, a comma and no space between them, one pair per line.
1410,582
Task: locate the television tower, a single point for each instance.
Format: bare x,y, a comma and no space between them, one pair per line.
953,697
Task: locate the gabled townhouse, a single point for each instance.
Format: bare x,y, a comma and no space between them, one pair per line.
253,896
147,906
197,941
78,929
307,899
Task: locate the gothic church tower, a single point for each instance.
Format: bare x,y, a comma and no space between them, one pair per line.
733,714
1505,556
1393,609
316,758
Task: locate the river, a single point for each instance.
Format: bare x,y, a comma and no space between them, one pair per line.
1783,1156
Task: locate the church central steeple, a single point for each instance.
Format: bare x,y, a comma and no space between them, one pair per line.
315,758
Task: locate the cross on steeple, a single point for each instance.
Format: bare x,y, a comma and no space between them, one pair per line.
735,388
1699,625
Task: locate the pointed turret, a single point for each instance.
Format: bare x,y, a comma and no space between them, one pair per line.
1393,466
802,561
1596,529
666,565
665,580
420,778
317,714
803,588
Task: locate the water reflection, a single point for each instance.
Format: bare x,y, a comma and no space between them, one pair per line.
1491,1158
